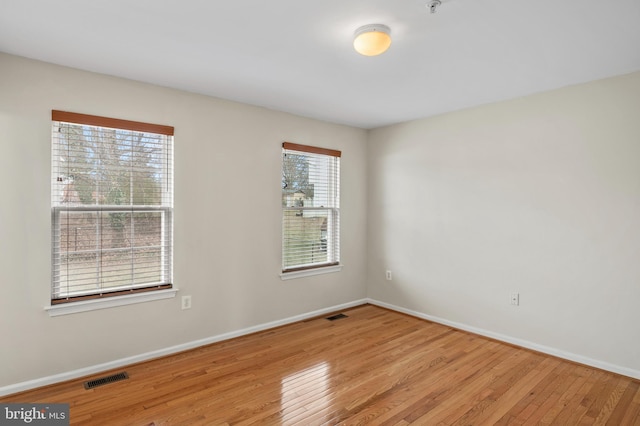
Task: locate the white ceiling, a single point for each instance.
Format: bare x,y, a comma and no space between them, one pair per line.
297,56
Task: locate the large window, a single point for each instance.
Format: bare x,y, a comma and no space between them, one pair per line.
112,207
310,207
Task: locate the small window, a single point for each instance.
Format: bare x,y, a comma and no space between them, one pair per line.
111,207
310,207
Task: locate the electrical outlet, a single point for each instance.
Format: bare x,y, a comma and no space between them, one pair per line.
389,276
186,302
515,299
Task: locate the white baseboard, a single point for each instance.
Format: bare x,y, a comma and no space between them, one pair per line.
515,341
82,372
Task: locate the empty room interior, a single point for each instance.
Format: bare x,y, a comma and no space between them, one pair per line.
254,216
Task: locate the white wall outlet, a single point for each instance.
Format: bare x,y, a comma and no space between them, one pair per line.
186,302
389,276
515,299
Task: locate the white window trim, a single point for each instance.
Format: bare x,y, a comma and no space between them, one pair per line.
310,272
109,302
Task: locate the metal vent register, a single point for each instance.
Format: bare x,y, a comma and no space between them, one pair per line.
337,317
105,380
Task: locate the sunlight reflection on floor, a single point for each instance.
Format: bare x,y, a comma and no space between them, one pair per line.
304,391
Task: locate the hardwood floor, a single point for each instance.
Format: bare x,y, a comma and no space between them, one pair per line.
375,367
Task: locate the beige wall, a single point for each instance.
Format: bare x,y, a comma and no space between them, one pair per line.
227,220
538,195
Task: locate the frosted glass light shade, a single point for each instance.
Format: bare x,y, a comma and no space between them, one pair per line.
372,40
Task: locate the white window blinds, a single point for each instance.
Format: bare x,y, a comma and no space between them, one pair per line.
112,207
310,207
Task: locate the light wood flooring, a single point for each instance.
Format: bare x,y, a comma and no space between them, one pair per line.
375,367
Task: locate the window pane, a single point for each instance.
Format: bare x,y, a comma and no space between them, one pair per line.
148,265
107,250
148,243
109,167
77,243
304,237
296,188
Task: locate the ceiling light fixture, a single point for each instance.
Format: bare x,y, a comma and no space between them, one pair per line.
372,40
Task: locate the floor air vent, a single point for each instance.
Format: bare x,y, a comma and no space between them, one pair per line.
337,317
105,380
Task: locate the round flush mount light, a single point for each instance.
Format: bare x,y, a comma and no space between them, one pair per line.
372,40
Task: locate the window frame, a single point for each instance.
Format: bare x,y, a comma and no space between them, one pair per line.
129,293
333,214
